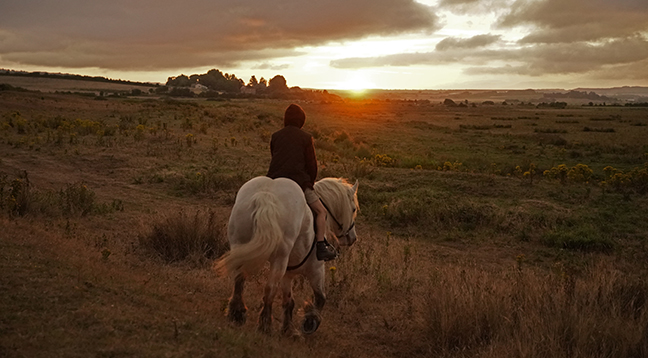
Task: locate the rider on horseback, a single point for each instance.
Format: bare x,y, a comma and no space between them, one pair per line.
293,157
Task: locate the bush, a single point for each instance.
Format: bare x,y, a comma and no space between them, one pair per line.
600,130
583,239
77,199
185,238
15,195
426,213
635,180
578,174
18,198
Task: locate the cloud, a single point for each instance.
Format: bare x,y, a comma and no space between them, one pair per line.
464,7
269,66
597,38
448,50
537,60
623,58
556,21
166,34
473,42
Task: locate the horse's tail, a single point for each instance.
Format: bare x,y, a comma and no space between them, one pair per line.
267,234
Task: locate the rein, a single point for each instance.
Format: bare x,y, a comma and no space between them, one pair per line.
295,267
337,222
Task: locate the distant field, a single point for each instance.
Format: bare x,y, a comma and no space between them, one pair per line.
484,231
65,85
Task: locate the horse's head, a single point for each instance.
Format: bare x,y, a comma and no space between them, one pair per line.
348,236
341,202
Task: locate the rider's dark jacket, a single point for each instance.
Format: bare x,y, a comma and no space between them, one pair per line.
293,152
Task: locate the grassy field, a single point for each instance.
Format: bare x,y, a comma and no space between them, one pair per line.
68,85
485,231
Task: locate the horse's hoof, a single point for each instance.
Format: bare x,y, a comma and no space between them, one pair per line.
292,333
310,324
265,329
237,318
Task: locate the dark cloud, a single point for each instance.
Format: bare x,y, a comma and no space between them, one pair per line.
448,50
474,6
164,34
568,21
597,38
473,42
420,58
625,55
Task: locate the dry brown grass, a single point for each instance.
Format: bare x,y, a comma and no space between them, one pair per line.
197,238
528,313
62,85
445,282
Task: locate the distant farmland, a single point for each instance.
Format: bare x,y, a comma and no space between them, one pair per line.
67,85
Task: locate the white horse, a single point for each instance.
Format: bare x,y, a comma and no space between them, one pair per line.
271,221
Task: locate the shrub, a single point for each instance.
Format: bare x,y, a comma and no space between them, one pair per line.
477,127
580,173
208,180
577,174
600,130
427,213
549,130
361,168
450,103
77,199
449,166
383,160
17,198
15,195
582,239
183,237
363,152
635,180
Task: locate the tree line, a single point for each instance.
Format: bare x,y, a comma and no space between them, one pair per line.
219,84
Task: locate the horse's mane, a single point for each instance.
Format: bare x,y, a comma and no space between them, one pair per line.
335,193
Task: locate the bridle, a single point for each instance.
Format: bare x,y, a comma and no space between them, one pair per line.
346,234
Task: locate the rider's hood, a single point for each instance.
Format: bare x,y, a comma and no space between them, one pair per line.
294,116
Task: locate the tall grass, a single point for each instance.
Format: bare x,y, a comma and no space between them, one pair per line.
18,197
530,313
195,238
472,310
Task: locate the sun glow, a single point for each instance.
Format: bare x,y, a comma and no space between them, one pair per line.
358,81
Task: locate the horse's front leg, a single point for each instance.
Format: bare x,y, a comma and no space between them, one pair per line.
288,306
236,310
277,270
313,310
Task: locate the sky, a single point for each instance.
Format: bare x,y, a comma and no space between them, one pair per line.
337,44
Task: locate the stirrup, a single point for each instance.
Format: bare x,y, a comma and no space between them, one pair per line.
326,252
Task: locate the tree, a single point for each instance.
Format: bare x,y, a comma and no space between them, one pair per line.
253,82
179,81
277,84
449,102
263,83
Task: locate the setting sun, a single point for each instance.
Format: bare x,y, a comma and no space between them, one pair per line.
359,81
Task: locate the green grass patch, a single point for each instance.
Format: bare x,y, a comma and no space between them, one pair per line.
588,239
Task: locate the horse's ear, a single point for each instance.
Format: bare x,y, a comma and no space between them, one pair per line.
355,187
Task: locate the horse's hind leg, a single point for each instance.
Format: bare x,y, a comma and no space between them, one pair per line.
313,317
274,278
288,306
236,311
